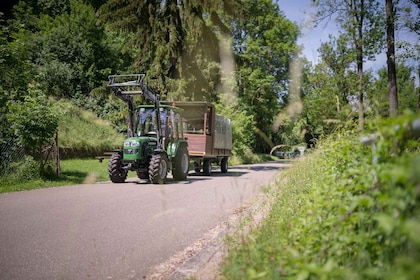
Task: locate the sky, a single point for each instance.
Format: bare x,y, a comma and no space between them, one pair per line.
299,12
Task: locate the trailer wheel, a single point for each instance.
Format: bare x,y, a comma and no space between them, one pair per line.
181,164
158,168
197,167
115,171
224,165
207,167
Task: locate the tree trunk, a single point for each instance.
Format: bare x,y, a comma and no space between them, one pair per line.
418,91
361,106
57,157
392,78
359,62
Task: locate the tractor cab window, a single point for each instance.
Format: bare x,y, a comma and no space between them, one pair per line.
146,122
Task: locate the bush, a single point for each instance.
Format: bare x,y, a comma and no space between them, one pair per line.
346,212
24,170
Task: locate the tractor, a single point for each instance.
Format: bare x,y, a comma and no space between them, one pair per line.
155,144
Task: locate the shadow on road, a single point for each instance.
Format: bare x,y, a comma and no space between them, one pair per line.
234,171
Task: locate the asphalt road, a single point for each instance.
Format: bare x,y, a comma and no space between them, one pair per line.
117,231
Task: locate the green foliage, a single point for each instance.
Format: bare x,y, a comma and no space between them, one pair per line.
291,131
176,43
407,95
345,212
242,128
266,36
33,121
326,99
22,171
82,134
74,54
110,109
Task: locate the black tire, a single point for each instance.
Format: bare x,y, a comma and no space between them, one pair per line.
181,164
197,167
224,165
207,167
115,171
158,168
144,175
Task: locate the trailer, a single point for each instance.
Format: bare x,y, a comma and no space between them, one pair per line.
208,134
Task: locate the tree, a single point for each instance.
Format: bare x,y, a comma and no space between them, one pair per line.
362,21
406,19
73,54
264,47
407,91
325,105
390,54
66,49
338,61
176,42
33,121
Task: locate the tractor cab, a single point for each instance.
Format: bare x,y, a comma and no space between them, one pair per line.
170,122
144,141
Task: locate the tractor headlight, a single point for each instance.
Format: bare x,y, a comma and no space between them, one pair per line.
131,144
173,148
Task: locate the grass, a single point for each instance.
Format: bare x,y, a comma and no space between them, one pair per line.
248,157
82,132
73,172
339,216
77,171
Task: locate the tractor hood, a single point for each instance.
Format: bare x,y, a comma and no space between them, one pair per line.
135,148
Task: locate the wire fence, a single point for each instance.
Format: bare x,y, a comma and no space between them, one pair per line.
10,153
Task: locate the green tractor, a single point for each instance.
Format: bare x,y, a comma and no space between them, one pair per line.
155,142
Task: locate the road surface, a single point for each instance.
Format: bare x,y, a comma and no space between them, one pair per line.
117,231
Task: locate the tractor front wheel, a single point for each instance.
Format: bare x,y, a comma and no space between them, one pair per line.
158,168
116,172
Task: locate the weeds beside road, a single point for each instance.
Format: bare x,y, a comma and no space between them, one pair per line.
347,211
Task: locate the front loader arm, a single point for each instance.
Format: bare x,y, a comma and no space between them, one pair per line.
125,87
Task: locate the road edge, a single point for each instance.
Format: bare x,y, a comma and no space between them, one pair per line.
204,258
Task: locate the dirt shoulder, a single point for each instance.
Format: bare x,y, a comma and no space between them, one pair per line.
204,258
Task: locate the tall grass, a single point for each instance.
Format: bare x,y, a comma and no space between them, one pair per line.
82,133
345,212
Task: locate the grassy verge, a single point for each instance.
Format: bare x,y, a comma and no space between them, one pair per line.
249,157
345,212
76,171
73,171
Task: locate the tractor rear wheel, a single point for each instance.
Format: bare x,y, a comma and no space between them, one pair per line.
115,169
158,168
181,164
